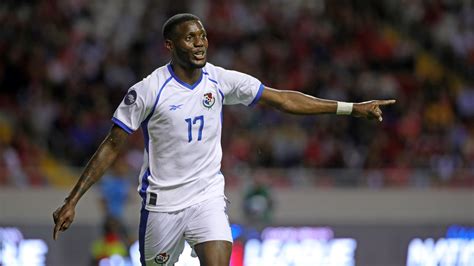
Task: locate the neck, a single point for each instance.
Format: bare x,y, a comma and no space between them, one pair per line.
188,75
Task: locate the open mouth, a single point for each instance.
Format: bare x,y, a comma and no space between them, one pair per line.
200,55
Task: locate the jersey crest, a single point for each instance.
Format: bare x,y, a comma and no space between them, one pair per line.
162,258
208,100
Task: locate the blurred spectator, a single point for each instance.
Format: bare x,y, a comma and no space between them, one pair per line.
66,65
258,203
115,188
108,244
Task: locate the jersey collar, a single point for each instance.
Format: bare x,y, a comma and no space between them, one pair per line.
189,86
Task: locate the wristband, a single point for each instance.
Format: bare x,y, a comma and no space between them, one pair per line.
344,108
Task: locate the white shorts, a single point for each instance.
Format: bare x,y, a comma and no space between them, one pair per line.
162,234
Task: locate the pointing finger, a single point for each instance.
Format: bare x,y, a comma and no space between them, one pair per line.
386,102
55,232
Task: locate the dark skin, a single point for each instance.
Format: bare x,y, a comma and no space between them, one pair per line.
95,168
188,46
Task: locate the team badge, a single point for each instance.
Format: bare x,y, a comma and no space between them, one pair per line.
162,258
130,98
208,100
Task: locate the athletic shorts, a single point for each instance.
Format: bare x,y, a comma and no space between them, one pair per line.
162,234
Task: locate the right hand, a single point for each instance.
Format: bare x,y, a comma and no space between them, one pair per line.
63,218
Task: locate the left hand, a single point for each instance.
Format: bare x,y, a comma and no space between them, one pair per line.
63,217
370,109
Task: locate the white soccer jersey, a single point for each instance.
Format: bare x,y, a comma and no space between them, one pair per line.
182,126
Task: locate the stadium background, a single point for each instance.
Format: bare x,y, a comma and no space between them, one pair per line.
65,66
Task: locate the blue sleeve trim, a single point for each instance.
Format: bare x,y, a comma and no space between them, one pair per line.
222,94
122,125
257,97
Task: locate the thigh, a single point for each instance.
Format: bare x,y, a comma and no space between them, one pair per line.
214,253
161,237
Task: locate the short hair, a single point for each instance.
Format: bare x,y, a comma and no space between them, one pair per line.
171,23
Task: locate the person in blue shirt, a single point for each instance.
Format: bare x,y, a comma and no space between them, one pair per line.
114,191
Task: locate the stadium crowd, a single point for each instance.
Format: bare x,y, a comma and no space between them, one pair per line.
65,66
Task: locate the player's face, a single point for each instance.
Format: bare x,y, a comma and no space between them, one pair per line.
190,44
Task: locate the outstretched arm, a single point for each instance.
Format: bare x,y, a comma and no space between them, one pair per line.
299,103
95,168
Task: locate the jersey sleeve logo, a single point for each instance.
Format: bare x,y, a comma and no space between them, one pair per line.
208,100
130,98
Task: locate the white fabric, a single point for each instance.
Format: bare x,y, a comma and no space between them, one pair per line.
182,129
344,108
166,231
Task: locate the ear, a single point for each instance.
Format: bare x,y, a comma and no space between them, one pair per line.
169,45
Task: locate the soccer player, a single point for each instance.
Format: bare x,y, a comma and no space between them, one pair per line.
179,109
